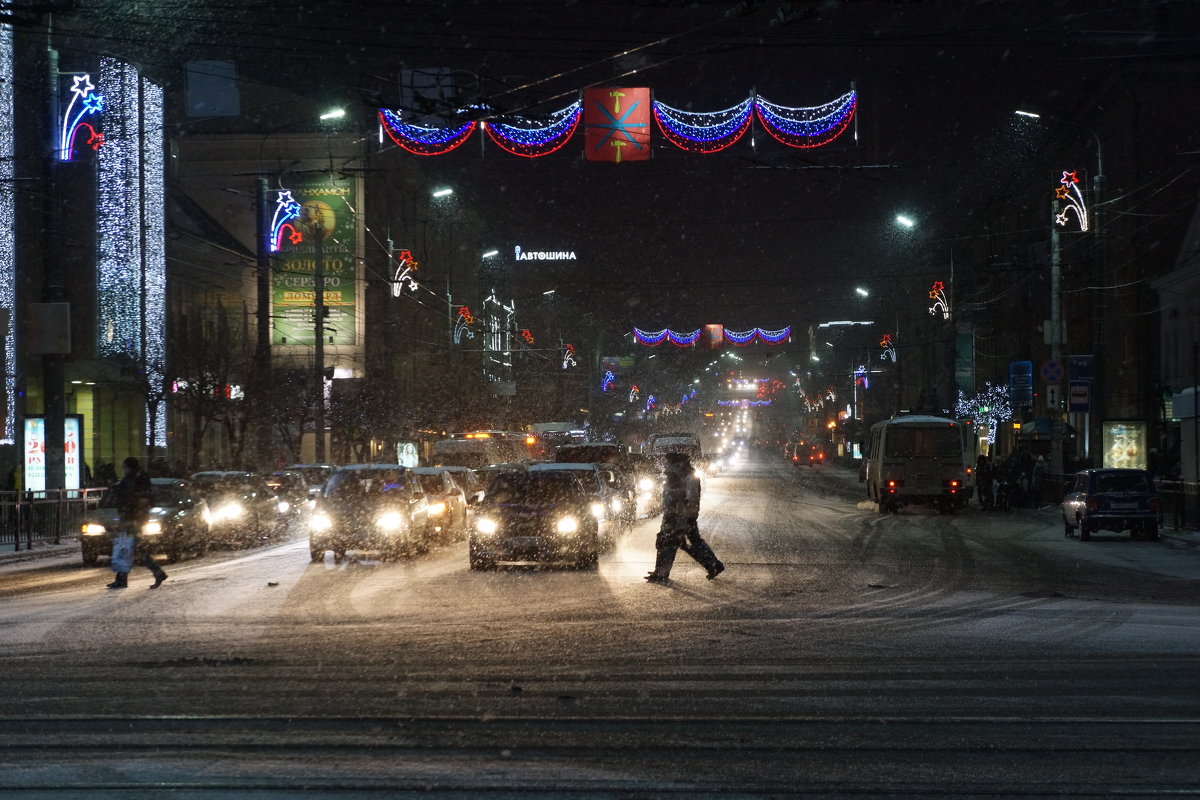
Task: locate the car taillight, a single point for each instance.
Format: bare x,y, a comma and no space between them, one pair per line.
951,484
1093,504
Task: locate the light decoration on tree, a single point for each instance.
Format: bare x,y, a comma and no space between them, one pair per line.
937,293
607,381
286,210
84,103
742,338
131,239
703,131
888,348
989,407
1068,191
406,265
525,137
421,140
568,356
462,324
8,242
807,127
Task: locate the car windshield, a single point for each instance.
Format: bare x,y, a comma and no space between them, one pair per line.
364,482
533,488
1123,482
432,484
159,496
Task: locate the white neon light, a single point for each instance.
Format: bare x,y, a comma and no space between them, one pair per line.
8,271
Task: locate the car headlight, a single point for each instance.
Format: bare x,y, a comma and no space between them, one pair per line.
390,521
598,510
320,522
486,525
92,529
230,511
437,509
566,525
646,485
152,527
284,506
616,505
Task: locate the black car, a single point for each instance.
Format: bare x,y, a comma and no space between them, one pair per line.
243,509
177,524
370,507
532,516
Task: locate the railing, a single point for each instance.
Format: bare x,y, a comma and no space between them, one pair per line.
49,516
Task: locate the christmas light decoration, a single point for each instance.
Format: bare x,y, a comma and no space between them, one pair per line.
807,127
889,349
84,103
406,265
424,141
527,336
568,356
745,403
607,381
937,293
286,210
650,402
462,324
650,339
989,407
683,339
703,132
1068,191
634,393
739,338
131,242
8,271
524,137
862,377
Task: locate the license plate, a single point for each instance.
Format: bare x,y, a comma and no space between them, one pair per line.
1123,506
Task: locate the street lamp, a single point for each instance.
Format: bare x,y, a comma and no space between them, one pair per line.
443,192
906,221
861,292
490,254
332,114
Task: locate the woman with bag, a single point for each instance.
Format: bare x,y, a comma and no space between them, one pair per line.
133,505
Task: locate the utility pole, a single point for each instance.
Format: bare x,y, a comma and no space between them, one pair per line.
54,406
319,335
262,349
1056,420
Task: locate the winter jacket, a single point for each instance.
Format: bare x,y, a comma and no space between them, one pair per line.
691,490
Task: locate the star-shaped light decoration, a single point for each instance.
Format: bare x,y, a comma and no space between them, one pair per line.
96,140
1070,177
1062,193
83,85
295,237
287,204
93,103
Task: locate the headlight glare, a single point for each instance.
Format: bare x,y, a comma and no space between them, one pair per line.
566,525
598,510
230,511
152,527
320,522
646,484
390,521
284,506
616,504
486,525
93,529
437,509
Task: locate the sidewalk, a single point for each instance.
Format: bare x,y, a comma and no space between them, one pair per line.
41,550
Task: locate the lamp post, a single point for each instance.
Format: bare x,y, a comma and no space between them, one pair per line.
1099,278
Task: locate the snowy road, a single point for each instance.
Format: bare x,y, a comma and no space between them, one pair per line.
843,653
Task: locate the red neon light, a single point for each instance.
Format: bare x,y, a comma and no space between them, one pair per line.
503,145
444,148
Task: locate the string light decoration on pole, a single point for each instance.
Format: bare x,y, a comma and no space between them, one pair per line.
1072,198
888,348
937,293
607,381
635,394
84,103
406,265
462,324
568,356
8,241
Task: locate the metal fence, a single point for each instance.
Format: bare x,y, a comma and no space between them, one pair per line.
50,516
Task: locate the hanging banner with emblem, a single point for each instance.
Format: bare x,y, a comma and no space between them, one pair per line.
616,124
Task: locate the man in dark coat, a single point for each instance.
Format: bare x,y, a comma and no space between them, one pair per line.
133,506
674,519
693,544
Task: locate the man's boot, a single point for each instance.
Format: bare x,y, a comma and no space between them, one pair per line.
662,565
121,581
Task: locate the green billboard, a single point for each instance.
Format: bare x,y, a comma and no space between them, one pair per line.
328,227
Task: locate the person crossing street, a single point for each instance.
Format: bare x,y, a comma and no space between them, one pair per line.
679,528
133,505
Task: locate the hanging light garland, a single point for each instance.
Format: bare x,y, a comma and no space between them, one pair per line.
742,338
807,127
524,137
700,132
739,338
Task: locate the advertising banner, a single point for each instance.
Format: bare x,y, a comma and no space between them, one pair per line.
616,124
326,211
34,448
1124,444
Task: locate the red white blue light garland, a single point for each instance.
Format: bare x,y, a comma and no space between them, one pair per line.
694,131
286,210
739,338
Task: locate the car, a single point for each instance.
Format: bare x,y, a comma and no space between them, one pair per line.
488,473
370,507
243,510
535,516
290,489
449,511
178,523
644,473
608,504
1112,500
468,480
315,475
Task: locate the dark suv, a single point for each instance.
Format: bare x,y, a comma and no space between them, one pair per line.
1113,500
535,517
375,507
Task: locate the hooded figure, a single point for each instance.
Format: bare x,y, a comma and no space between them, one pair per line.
681,509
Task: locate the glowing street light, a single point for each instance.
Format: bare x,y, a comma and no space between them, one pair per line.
333,113
446,192
861,292
906,221
489,253
1021,113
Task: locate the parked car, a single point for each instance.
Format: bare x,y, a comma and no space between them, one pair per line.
370,507
535,516
315,475
243,511
448,507
608,506
178,523
1112,500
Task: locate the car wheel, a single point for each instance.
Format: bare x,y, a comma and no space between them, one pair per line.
1068,531
339,556
316,554
479,563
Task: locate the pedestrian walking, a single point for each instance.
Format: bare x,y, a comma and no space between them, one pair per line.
693,544
672,530
133,506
